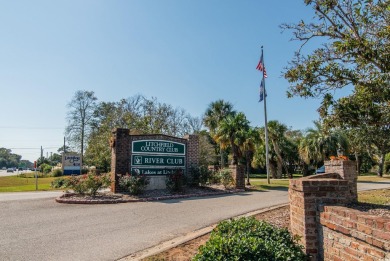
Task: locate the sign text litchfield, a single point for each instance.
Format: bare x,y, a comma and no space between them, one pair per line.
158,147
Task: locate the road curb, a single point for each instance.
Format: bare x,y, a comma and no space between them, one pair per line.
166,245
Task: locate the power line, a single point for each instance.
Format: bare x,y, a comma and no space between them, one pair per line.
30,128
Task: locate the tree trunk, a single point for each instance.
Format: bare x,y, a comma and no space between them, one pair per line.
381,164
248,158
222,158
272,169
305,170
358,163
279,159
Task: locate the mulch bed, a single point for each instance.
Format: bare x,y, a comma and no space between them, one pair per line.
149,195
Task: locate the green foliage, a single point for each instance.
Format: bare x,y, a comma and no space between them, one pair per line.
88,183
57,173
198,176
225,177
8,159
214,178
60,183
134,183
249,239
45,168
139,114
175,181
231,132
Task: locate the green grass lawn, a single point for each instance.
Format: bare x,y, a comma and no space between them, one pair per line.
259,181
24,183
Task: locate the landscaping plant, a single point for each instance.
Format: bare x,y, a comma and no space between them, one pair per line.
86,184
175,181
250,239
134,183
198,176
225,177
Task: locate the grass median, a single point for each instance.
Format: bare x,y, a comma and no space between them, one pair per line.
24,182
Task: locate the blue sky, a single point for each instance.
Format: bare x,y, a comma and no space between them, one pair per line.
185,53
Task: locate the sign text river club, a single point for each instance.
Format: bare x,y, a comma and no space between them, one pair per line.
157,157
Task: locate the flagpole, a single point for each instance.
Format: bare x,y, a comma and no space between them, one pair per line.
265,122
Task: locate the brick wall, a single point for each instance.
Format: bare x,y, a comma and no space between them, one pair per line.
329,230
305,196
192,150
353,235
120,155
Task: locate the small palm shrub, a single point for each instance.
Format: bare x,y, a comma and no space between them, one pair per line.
225,177
250,239
134,183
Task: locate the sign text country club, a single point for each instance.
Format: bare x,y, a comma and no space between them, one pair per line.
158,147
155,160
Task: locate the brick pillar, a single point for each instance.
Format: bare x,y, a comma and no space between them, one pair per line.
192,151
306,196
347,170
120,151
238,174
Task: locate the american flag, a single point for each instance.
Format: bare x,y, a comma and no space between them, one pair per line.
261,67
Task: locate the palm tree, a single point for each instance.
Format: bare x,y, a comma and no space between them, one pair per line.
230,132
251,137
319,143
277,132
215,113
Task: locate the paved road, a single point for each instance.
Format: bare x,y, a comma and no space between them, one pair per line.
41,229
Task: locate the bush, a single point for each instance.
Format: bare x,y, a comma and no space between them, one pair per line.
198,176
89,183
46,168
175,181
60,183
57,173
225,177
134,183
214,178
249,239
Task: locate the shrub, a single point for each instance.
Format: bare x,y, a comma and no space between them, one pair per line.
198,176
249,239
225,177
175,181
89,183
46,168
60,183
214,178
57,173
134,183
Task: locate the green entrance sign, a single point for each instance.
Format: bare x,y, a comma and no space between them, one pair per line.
154,171
156,160
158,147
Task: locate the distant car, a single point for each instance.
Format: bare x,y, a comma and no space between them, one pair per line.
4,168
320,170
10,170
